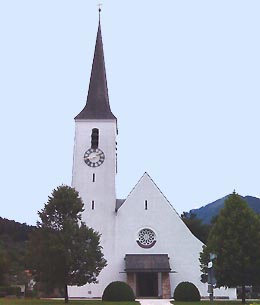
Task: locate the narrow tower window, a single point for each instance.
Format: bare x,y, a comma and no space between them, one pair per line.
93,178
94,138
93,205
145,204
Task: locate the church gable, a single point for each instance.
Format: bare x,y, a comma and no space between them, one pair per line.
145,195
147,208
147,224
148,203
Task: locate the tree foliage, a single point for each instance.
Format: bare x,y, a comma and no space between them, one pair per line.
186,292
204,260
63,250
18,232
14,236
3,266
235,239
196,226
118,291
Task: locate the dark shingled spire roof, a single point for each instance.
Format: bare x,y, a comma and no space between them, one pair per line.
97,105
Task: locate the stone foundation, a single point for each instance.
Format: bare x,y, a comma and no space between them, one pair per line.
166,286
131,281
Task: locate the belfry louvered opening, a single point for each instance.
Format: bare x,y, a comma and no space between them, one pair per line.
94,138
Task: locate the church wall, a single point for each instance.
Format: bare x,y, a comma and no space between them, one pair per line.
102,192
119,230
173,237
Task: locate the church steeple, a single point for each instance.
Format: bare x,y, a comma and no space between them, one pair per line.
97,105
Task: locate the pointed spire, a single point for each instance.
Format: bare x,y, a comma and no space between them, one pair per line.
97,105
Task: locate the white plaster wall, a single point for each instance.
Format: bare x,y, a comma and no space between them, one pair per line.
102,191
119,230
82,173
173,237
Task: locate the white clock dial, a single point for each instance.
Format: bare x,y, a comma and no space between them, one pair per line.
94,157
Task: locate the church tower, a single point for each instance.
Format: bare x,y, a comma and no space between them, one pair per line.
144,240
94,162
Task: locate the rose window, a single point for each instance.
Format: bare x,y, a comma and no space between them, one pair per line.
146,238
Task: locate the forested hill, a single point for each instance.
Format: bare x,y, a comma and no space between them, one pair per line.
13,238
14,230
210,210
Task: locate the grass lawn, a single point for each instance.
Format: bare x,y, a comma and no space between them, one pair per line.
10,301
6,301
216,302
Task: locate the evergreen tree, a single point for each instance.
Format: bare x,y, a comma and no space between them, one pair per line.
3,266
14,236
235,239
196,226
63,250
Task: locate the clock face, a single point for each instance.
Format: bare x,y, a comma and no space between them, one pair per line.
94,157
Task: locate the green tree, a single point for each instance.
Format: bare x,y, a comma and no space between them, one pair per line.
3,266
196,226
14,237
63,250
235,239
204,260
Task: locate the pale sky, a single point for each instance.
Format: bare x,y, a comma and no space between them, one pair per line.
183,81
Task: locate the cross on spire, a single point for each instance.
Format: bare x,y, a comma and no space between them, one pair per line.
99,9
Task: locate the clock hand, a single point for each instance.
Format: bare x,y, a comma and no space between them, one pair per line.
93,156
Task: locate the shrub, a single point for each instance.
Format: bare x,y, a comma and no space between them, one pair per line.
186,292
8,290
118,291
31,294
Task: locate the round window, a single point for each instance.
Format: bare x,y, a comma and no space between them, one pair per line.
146,238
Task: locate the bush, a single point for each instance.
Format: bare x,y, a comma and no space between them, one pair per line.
7,290
186,292
118,291
31,294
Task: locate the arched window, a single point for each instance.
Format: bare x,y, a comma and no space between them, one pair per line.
94,138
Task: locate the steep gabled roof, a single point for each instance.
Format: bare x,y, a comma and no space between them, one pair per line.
121,202
97,105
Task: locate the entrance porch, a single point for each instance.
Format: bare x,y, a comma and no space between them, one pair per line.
148,275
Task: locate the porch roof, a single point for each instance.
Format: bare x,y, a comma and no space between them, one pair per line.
147,263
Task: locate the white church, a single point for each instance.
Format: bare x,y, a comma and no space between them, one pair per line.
144,240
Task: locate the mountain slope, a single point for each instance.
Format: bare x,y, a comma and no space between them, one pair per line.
207,212
13,238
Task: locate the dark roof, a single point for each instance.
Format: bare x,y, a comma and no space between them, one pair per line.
147,263
97,105
119,203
